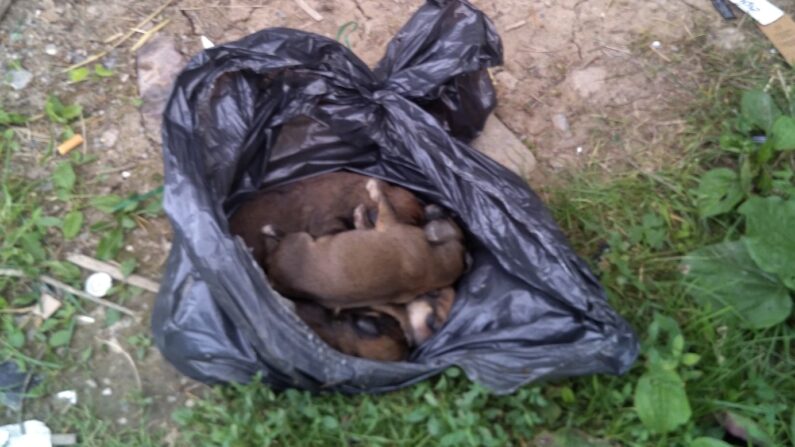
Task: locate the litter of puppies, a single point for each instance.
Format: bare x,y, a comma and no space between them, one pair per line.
370,267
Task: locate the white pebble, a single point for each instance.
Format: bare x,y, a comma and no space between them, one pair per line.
98,284
91,383
69,396
580,149
107,391
85,320
105,381
122,421
129,248
171,399
125,174
656,45
51,49
190,403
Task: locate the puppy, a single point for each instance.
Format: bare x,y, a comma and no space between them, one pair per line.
422,317
319,206
375,336
391,263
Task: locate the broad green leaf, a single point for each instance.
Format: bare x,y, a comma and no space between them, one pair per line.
60,338
49,221
330,423
128,266
16,339
64,176
101,71
718,192
72,223
110,244
7,118
78,74
664,344
746,429
53,108
661,401
690,359
71,112
758,108
106,204
770,234
725,276
784,134
708,442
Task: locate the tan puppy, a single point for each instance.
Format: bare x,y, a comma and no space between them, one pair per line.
422,317
390,264
375,337
319,206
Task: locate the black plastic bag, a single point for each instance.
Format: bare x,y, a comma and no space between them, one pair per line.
283,104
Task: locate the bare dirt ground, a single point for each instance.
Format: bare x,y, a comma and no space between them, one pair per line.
584,82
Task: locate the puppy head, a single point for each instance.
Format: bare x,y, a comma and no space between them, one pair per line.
379,338
428,313
443,230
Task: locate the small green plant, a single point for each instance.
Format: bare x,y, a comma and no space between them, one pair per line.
750,277
126,214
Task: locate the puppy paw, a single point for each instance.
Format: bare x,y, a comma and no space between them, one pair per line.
374,189
269,230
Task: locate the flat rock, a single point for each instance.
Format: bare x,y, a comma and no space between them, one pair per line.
501,144
158,63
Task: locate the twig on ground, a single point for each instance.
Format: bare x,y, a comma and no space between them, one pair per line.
116,347
516,25
309,10
148,35
99,301
96,265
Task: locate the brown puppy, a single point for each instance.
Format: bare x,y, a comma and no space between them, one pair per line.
422,317
390,264
319,206
375,337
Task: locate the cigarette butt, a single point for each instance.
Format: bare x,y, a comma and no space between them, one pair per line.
66,147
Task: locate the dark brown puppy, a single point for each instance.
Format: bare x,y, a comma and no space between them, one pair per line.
319,206
392,263
375,337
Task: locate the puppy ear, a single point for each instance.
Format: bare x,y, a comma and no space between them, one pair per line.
433,212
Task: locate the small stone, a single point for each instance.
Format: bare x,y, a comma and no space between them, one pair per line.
18,78
85,320
107,391
206,43
507,79
122,421
190,403
561,123
124,77
579,150
125,174
109,137
171,399
67,396
129,248
105,381
91,383
51,49
656,45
